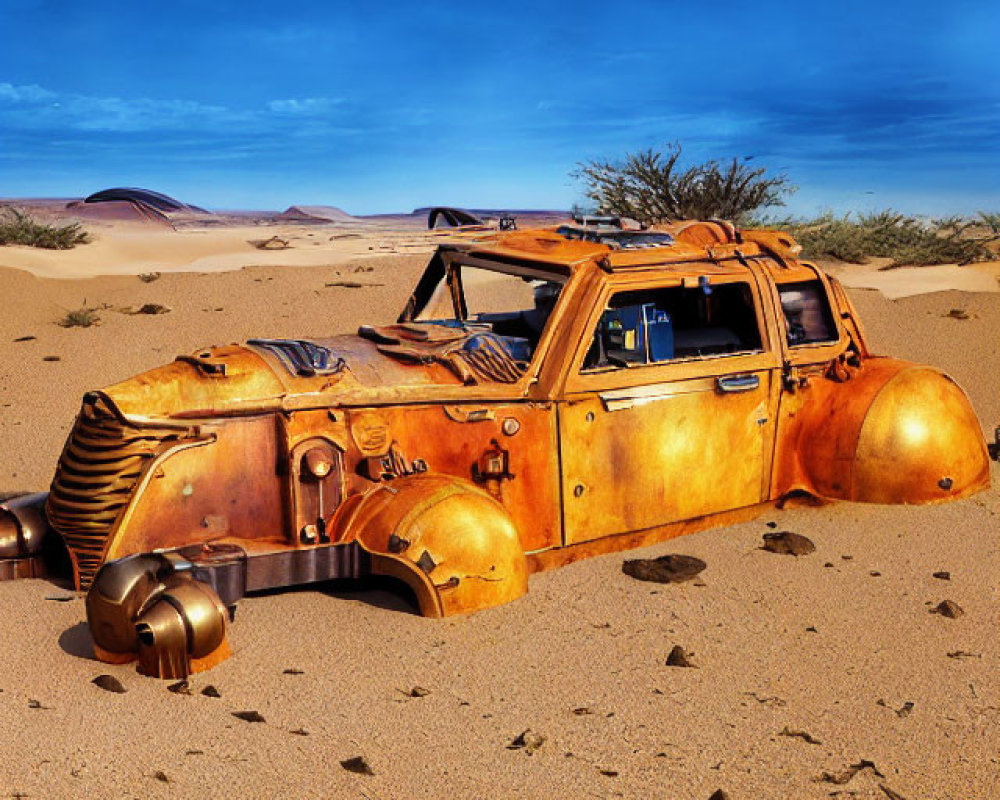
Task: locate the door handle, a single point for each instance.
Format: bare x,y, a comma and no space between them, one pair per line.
730,384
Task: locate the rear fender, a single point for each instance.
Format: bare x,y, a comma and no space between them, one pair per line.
894,433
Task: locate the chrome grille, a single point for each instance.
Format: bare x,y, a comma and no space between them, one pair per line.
102,462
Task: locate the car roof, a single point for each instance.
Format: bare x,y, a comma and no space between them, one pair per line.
685,248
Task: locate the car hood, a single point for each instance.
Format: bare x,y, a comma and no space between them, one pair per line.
378,366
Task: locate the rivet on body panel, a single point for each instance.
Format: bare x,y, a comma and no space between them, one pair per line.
578,490
511,426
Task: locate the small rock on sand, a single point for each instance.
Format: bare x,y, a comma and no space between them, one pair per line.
788,543
679,658
949,609
528,741
665,569
210,691
109,683
249,716
718,794
152,308
358,764
942,575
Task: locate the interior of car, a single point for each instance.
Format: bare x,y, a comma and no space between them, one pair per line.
672,323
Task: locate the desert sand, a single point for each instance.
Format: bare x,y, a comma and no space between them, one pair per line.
805,666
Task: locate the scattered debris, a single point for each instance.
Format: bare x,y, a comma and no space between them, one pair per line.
293,671
942,575
890,793
804,735
358,764
847,557
842,777
529,741
51,358
249,716
875,573
352,284
25,338
905,709
194,752
181,687
788,544
772,525
665,569
679,658
963,654
811,629
274,243
583,711
958,313
148,277
770,701
60,598
949,609
418,691
210,691
345,236
609,773
300,732
718,794
38,704
109,683
160,775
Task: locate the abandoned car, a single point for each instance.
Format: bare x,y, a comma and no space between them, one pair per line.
545,395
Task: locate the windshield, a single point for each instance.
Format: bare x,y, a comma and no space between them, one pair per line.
513,307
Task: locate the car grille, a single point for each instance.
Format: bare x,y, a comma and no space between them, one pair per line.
102,462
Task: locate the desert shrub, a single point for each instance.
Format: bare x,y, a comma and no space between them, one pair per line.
80,318
19,227
651,187
149,277
888,234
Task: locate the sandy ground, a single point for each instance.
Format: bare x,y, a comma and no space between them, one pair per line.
835,644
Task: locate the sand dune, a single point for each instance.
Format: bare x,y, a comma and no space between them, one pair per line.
830,647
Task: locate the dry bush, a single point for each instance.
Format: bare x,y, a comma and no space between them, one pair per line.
651,187
19,227
80,318
888,234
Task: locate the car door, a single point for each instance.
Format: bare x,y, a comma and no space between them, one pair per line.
669,414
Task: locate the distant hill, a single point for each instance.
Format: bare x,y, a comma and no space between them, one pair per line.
316,214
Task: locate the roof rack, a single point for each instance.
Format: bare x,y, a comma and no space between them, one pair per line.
615,237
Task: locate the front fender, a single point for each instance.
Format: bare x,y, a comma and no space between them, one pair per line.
445,537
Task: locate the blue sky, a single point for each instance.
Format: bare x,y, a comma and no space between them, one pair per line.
388,106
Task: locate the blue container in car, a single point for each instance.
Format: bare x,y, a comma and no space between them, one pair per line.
660,333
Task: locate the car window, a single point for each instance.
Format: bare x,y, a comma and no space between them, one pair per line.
515,308
675,323
808,319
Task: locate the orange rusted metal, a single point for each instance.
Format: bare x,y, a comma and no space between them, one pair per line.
684,378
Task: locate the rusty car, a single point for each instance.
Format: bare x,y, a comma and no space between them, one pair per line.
545,395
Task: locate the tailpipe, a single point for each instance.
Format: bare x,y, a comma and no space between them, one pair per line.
151,609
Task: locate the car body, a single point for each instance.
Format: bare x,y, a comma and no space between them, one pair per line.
609,388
